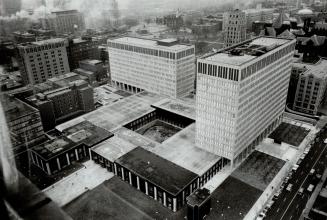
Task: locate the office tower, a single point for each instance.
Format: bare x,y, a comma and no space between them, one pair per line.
241,95
311,86
66,21
164,66
234,27
42,60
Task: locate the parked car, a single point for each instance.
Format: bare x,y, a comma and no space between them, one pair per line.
300,191
312,171
289,187
310,187
295,167
325,141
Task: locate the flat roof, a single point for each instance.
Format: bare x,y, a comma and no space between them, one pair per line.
150,43
177,106
49,41
318,69
14,108
86,133
181,150
113,148
157,170
248,51
115,115
92,62
54,147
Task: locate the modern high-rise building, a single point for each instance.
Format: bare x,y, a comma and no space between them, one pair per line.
67,21
42,60
160,66
241,95
234,27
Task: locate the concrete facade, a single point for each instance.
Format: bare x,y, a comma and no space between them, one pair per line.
241,97
164,67
234,27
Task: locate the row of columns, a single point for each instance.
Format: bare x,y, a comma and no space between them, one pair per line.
155,192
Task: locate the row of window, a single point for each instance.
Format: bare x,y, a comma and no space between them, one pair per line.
152,52
262,63
218,71
34,49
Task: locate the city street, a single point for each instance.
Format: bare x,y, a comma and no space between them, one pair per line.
290,204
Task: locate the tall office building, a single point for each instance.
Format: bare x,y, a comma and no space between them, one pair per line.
42,60
234,27
258,14
67,21
241,95
163,66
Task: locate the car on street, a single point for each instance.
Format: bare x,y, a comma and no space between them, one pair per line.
289,187
300,192
312,171
310,187
325,141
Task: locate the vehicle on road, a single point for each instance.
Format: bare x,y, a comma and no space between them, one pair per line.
302,156
289,187
312,171
299,162
318,176
300,192
325,141
310,187
295,167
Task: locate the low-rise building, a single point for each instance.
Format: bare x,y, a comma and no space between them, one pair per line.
71,145
94,70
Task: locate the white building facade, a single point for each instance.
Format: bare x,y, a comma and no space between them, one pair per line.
164,67
241,95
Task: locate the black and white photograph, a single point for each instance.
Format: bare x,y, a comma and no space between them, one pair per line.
163,109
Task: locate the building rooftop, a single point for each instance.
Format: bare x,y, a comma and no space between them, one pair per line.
117,114
177,106
151,43
91,62
246,51
113,148
181,150
14,108
66,79
49,41
86,133
53,147
153,168
318,69
198,197
64,12
256,10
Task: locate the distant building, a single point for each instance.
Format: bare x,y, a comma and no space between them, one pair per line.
65,98
311,86
24,123
82,49
164,67
9,7
174,21
258,14
94,70
234,27
42,60
68,21
241,95
23,37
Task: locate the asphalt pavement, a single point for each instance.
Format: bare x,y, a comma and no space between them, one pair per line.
290,204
